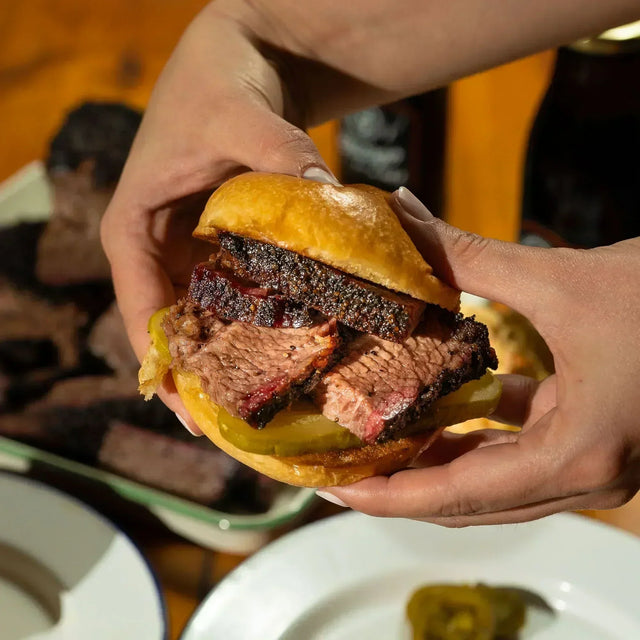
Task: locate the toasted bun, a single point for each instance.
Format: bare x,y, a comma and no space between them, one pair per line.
326,469
352,228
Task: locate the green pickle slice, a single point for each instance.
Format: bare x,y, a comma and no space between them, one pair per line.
509,609
473,399
158,336
294,431
301,429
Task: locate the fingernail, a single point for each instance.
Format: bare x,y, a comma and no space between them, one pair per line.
184,423
411,205
320,175
329,497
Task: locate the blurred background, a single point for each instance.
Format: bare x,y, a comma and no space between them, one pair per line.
54,55
466,148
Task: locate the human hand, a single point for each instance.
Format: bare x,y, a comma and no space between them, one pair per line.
210,117
579,447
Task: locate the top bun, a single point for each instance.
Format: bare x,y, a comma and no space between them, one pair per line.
351,228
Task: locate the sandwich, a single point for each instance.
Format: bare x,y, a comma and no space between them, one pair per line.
316,345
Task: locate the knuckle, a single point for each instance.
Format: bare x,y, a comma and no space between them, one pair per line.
455,522
291,150
459,505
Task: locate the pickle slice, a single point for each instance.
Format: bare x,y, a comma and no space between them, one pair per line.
157,334
509,608
302,429
294,431
465,612
157,360
474,399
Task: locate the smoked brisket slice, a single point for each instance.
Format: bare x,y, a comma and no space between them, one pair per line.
354,302
380,388
253,372
221,291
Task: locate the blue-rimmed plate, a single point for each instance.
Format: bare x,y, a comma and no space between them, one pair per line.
66,572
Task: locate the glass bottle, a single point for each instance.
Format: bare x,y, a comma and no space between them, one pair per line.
582,169
398,144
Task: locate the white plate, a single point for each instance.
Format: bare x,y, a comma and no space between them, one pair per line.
66,573
350,577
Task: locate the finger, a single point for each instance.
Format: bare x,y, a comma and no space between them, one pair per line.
582,502
138,303
524,278
449,446
270,143
524,399
168,393
486,479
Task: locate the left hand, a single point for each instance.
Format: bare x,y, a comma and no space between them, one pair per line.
579,446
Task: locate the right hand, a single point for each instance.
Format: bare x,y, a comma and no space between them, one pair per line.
579,446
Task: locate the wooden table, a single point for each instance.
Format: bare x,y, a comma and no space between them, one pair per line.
55,54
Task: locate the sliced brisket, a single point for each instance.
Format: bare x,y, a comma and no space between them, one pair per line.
188,470
380,388
358,304
253,372
229,297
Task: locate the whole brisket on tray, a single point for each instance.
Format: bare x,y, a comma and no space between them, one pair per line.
64,355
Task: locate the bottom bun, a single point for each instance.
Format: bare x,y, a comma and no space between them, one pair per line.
326,469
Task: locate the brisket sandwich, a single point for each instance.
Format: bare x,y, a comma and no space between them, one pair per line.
316,345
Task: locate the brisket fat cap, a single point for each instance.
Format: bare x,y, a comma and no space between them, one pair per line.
252,372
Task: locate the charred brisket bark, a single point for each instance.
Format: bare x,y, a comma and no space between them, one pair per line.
354,302
220,291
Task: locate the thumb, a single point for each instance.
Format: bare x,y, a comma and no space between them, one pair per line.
524,278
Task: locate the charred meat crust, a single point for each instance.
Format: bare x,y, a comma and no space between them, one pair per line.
99,132
480,357
221,291
358,304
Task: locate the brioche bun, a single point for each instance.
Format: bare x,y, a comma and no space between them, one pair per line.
352,228
327,469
